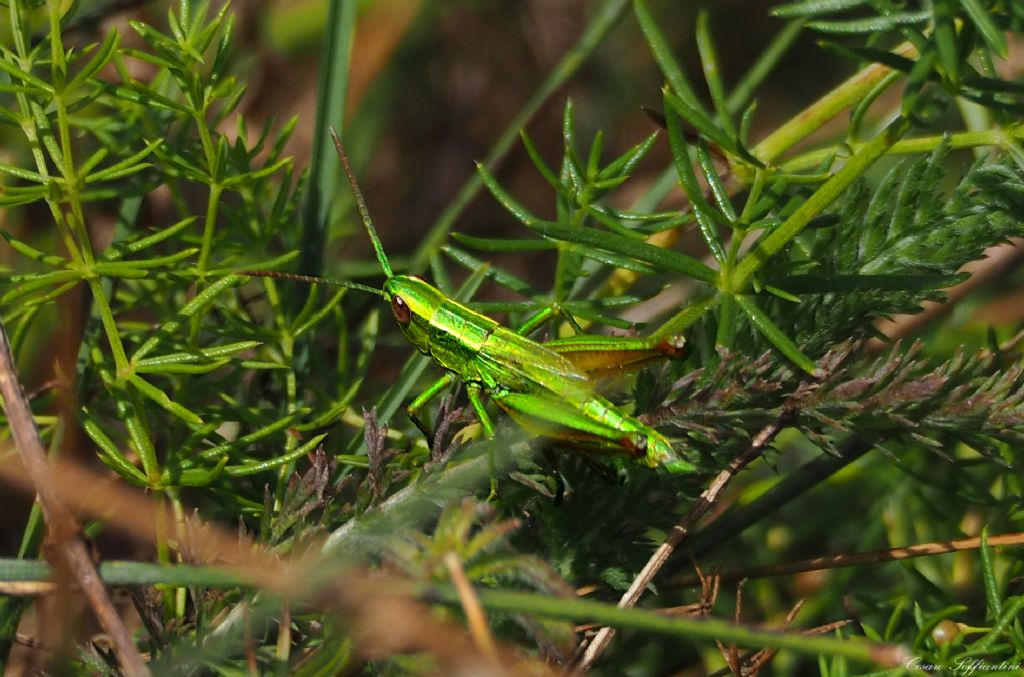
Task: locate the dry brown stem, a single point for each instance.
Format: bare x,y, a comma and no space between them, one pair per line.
69,552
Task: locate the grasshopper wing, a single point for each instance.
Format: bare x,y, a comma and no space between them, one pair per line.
520,365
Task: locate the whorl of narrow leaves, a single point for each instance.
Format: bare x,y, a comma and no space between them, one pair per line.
919,230
895,246
901,397
911,225
964,399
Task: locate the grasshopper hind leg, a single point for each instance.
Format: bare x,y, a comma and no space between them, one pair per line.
473,390
594,424
608,356
476,401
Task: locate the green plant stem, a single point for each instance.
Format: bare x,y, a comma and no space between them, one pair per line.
604,20
28,128
142,573
210,219
74,222
332,95
129,573
704,628
822,198
292,394
998,632
32,133
106,314
59,73
847,94
925,144
209,225
138,430
59,60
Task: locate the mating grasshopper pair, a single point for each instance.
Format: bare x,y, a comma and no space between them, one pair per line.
547,387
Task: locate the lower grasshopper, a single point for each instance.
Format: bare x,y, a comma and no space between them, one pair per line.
547,387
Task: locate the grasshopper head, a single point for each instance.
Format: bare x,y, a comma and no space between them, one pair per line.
413,302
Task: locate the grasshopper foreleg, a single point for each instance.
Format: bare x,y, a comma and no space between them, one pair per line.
421,401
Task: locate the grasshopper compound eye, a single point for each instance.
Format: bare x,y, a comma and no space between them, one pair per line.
400,309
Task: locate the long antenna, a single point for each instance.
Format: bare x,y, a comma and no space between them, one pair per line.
361,204
313,279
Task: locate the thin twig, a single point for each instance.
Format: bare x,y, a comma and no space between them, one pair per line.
750,656
731,653
849,560
476,619
680,531
69,548
751,662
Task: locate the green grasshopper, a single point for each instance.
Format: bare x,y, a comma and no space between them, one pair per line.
548,388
